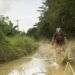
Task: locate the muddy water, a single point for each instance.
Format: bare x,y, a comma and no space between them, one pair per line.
28,66
14,67
40,64
33,66
24,66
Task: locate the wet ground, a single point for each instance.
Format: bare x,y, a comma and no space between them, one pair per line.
43,62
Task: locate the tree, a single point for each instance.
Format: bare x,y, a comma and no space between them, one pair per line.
33,32
57,13
7,27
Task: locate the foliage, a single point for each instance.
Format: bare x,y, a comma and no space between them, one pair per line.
33,32
57,13
7,27
13,43
17,47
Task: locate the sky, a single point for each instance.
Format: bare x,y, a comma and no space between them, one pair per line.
23,10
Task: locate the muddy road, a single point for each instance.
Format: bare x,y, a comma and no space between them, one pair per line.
43,62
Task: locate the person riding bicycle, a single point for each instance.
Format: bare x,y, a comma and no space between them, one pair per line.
58,38
58,45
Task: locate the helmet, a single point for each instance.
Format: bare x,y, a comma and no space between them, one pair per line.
58,29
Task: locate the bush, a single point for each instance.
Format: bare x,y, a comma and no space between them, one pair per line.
24,43
17,47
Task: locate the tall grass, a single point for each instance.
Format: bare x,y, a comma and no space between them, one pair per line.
16,47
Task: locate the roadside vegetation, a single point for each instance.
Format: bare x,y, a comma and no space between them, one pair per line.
14,44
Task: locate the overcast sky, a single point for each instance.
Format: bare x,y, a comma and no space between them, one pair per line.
23,10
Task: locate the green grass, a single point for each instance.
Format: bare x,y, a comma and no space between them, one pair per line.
17,47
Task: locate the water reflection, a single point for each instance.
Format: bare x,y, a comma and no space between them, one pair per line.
33,67
14,72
